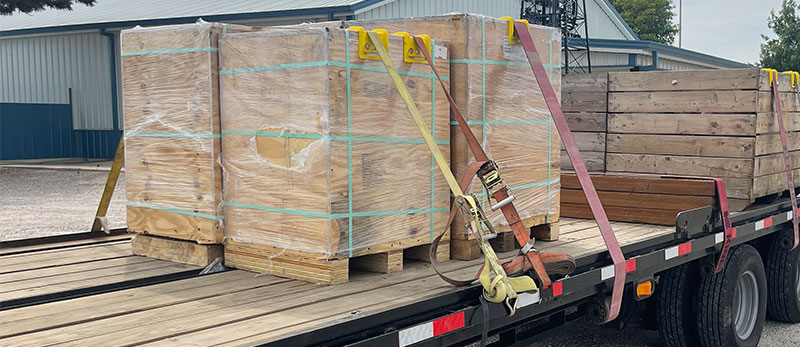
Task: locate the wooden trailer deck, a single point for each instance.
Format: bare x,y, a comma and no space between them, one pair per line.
226,308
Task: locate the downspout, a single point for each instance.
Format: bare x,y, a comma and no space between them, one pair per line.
113,65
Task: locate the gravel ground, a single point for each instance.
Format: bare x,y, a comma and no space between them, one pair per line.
35,202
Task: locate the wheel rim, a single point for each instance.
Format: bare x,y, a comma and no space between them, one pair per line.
745,299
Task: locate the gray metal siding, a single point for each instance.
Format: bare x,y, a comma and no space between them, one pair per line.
41,69
601,24
409,8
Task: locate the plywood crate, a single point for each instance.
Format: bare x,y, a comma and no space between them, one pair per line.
637,198
493,86
718,123
323,162
584,102
172,146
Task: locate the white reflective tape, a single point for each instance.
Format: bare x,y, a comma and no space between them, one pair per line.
719,237
789,215
760,225
670,253
607,272
526,299
415,334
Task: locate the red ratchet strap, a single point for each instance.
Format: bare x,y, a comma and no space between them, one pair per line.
501,195
580,169
784,144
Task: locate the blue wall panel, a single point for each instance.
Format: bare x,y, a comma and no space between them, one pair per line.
98,144
35,131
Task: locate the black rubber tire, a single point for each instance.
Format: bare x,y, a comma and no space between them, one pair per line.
783,303
675,312
715,311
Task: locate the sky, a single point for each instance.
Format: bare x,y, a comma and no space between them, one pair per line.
726,28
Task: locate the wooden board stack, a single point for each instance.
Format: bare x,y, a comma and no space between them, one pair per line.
493,86
583,100
718,123
642,199
172,146
324,167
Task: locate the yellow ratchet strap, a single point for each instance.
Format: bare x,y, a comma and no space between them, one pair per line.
499,288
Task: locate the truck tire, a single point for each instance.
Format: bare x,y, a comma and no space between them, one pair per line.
732,304
677,324
783,280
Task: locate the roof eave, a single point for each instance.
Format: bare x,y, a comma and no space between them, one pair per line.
307,12
666,49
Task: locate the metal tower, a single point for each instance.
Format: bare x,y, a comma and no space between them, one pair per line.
570,17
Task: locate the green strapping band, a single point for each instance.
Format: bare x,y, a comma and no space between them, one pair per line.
349,152
433,134
179,135
324,63
173,210
383,69
170,51
312,214
483,83
495,62
505,122
329,137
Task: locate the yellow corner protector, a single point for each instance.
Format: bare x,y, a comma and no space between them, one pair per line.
513,38
366,49
795,77
411,52
773,75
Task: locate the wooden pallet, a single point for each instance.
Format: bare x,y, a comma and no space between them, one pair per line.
467,249
179,251
311,267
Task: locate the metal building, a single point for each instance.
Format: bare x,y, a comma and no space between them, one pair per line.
60,71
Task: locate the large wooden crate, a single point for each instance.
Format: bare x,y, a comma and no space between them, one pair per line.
584,102
322,160
717,123
172,146
493,86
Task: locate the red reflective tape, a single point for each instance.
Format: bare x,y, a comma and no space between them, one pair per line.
733,233
448,324
685,248
767,222
557,289
630,265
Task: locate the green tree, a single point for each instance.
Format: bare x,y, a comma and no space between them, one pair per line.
783,52
649,19
27,6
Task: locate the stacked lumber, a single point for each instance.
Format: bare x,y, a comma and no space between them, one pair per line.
637,198
324,167
493,86
172,134
583,100
717,123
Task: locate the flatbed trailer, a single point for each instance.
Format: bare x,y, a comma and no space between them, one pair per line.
89,290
